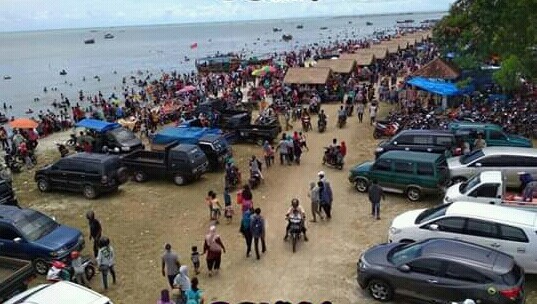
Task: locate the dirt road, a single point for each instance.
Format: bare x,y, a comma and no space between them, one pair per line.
141,218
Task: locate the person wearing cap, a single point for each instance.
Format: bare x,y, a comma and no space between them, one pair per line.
170,264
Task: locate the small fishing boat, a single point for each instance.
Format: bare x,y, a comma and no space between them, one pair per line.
108,36
287,37
218,64
324,28
275,29
3,118
63,72
89,41
7,77
369,23
405,21
300,26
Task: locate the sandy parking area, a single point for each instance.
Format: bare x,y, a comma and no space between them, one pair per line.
142,217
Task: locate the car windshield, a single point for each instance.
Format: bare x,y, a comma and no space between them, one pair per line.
34,225
404,253
470,184
432,213
468,158
122,134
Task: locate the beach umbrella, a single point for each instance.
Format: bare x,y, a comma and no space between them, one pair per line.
23,123
188,88
264,70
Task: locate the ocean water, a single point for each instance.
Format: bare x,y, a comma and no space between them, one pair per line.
34,59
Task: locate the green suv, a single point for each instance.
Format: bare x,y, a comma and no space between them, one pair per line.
492,134
412,173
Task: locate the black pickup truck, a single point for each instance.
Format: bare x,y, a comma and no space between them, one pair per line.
267,129
15,275
184,163
223,113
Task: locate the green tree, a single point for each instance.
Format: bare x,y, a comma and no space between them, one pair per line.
508,76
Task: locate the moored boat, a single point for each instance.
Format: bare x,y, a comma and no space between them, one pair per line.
108,36
89,41
218,64
287,37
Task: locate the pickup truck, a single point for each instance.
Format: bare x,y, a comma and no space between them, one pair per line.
264,129
111,136
217,107
488,187
184,163
15,275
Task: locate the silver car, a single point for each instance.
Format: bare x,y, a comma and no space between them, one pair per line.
511,161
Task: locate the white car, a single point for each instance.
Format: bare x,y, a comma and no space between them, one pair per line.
505,229
59,293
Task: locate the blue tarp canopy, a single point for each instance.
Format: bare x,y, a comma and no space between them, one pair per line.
183,134
438,87
97,125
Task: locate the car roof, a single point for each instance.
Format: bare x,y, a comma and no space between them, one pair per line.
411,156
518,151
490,177
184,147
9,212
475,125
502,214
93,157
61,293
425,132
467,253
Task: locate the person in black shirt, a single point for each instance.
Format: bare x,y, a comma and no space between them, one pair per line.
95,231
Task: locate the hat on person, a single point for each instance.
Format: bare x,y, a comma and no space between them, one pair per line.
321,173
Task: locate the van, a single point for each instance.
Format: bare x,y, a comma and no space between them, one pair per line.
509,160
411,173
432,141
505,229
493,134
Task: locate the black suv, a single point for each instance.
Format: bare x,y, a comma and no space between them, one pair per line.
91,174
433,141
7,195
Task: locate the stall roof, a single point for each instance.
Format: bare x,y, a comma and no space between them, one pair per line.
97,125
361,58
307,75
440,69
340,66
438,87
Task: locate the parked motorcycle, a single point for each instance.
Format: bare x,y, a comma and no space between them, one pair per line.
333,159
60,271
14,166
385,130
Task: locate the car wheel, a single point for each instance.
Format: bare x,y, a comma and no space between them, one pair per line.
41,267
380,290
43,185
89,192
122,175
179,180
361,185
413,194
140,176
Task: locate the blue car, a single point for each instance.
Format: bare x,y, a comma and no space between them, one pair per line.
30,235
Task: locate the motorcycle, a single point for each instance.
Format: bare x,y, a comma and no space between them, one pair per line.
341,121
71,142
331,159
306,124
254,180
62,149
295,230
321,125
389,129
13,165
233,178
31,154
59,271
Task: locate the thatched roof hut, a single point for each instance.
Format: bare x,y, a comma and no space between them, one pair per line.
339,66
307,75
440,69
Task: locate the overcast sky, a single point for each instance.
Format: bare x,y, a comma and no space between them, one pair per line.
19,15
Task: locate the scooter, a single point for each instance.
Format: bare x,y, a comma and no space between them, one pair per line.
59,271
331,160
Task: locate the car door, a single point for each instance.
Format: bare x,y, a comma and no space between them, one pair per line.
8,246
496,138
460,282
404,174
74,174
422,281
481,232
451,227
514,241
382,172
487,163
57,176
402,143
485,193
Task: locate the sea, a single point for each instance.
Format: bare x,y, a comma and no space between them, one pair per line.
33,60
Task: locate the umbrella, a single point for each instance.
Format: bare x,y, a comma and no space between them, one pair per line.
188,88
23,123
264,70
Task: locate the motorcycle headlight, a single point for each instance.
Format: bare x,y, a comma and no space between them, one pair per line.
394,230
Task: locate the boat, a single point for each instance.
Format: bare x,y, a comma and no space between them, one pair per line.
324,28
218,64
258,60
287,37
108,36
275,29
3,119
369,23
63,72
89,41
7,77
405,21
300,26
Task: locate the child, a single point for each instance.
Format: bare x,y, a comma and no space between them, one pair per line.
228,207
195,258
214,206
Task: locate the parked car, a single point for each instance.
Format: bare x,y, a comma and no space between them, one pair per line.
111,136
432,141
506,229
487,187
412,173
15,275
183,163
441,271
7,195
493,134
30,235
91,174
509,160
62,292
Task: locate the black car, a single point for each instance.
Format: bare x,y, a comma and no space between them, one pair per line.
433,141
91,174
440,271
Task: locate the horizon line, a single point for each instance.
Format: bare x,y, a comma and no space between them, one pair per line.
221,21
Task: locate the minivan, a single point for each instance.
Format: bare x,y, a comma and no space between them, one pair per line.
509,160
411,173
432,141
505,229
493,134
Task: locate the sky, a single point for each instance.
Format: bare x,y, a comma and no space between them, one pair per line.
24,15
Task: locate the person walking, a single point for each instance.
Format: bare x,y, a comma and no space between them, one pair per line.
213,247
360,111
257,227
315,206
373,108
325,200
283,147
165,297
181,283
375,195
245,230
194,295
247,198
106,260
95,231
170,264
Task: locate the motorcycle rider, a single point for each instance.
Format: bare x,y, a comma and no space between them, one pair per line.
296,211
255,167
322,118
341,114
